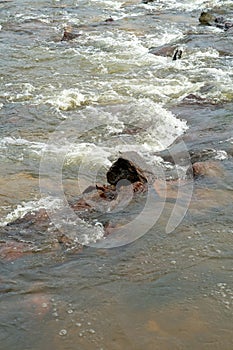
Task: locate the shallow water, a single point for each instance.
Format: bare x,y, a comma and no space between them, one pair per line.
67,110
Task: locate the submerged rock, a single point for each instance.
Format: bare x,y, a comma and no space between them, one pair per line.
207,168
124,179
203,155
109,19
12,250
69,35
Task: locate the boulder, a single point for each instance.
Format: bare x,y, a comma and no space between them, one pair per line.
109,20
99,198
125,179
208,168
68,34
207,18
123,169
168,50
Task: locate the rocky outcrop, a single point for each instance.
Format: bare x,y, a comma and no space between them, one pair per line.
122,174
147,1
123,169
170,50
67,36
209,19
207,168
125,180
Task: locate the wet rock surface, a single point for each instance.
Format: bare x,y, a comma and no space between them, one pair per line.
124,169
67,36
208,168
168,50
209,19
124,178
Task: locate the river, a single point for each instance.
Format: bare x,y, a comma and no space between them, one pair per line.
68,109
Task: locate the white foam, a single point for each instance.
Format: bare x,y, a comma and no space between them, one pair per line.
188,5
78,230
22,209
108,4
166,36
228,140
157,129
26,92
67,99
8,140
86,233
88,153
221,155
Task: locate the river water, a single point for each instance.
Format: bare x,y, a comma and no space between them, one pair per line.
68,109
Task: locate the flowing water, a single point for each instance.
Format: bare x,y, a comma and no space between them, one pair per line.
68,109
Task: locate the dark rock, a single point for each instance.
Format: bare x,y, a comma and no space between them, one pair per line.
206,18
228,25
124,169
219,20
110,19
107,192
177,54
67,36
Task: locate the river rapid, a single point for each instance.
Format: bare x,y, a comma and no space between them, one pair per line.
68,109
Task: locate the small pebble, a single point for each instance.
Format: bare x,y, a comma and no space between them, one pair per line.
92,331
63,332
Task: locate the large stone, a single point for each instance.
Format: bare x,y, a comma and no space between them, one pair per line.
167,50
207,18
123,169
69,35
208,168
